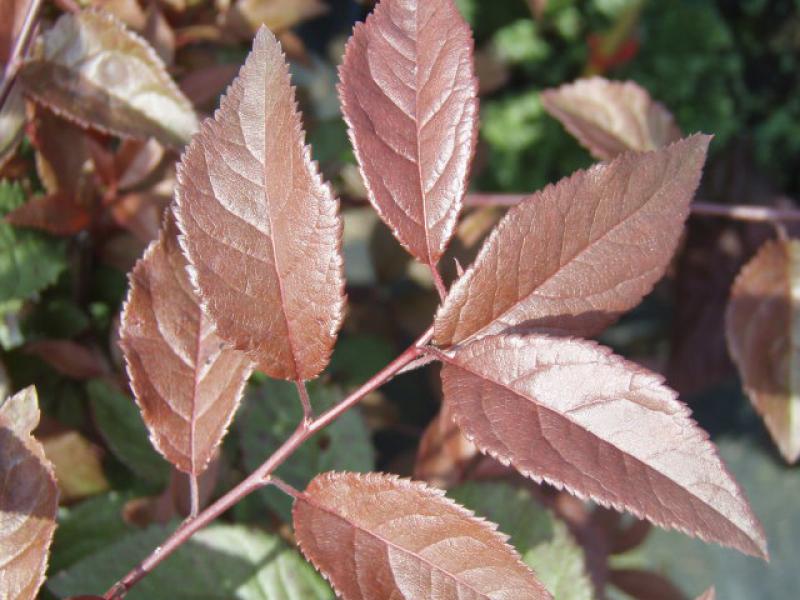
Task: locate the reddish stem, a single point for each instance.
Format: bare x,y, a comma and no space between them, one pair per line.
18,50
261,476
438,282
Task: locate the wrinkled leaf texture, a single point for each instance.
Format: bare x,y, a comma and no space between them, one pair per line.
409,96
571,413
261,229
28,499
763,331
91,69
573,257
611,117
187,382
378,536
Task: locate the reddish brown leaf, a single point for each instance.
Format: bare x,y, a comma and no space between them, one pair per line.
141,214
378,536
135,162
409,96
444,453
571,413
261,228
56,213
611,117
204,85
571,258
70,358
14,13
89,68
763,326
28,499
186,381
645,585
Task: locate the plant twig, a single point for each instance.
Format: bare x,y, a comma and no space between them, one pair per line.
194,496
437,280
739,212
308,411
20,44
261,476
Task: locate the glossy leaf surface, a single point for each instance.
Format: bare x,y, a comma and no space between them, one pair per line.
377,536
763,331
574,256
186,381
261,228
611,117
93,70
409,97
28,499
571,413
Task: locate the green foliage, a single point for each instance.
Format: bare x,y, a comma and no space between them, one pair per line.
119,420
221,562
29,261
270,414
543,541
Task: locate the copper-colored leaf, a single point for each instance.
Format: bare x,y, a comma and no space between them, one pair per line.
70,358
261,228
14,13
574,256
409,96
378,536
763,330
57,213
645,585
91,69
28,499
186,381
611,117
571,413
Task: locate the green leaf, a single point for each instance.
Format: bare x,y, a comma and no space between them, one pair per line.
29,261
85,528
543,541
119,420
270,414
773,490
220,562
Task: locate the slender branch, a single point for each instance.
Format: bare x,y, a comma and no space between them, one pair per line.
20,44
261,476
283,486
194,496
739,212
437,280
308,411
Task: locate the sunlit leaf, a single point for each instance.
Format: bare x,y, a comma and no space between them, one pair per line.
220,562
611,117
91,69
571,413
187,382
409,97
762,326
261,229
574,256
77,466
244,17
544,543
377,536
28,499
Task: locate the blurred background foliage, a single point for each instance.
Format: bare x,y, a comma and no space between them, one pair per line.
726,67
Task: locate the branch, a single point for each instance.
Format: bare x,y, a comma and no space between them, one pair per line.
261,476
739,212
20,44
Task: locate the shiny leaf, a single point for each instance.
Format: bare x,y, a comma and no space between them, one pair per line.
186,381
28,499
571,413
611,117
261,229
763,327
409,97
92,70
377,536
574,256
